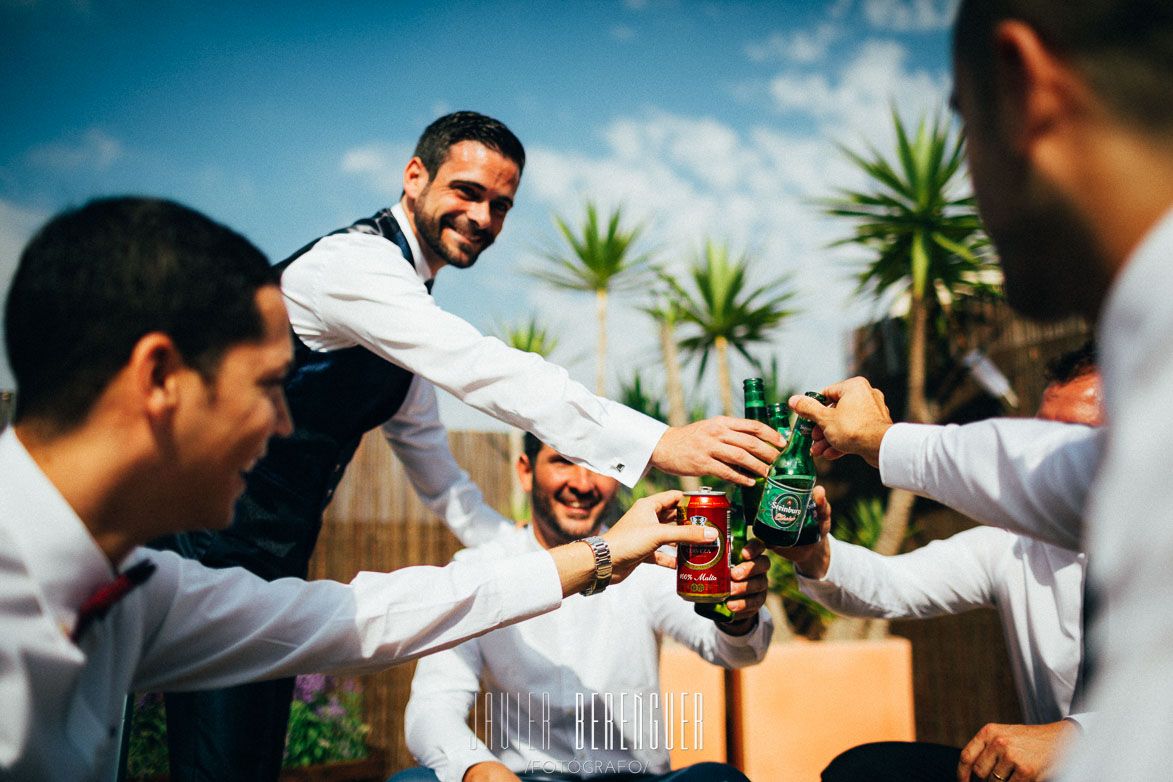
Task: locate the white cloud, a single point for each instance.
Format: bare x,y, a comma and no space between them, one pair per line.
800,46
910,15
379,165
96,150
857,101
689,179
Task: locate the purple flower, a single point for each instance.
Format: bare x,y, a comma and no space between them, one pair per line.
331,708
310,686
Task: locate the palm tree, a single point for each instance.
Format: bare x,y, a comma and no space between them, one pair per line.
667,311
532,337
601,260
529,336
927,238
928,245
728,315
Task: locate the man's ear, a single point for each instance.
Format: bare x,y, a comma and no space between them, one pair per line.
415,178
525,473
155,366
1038,90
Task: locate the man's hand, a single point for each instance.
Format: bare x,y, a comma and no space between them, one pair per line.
635,538
854,421
812,561
1015,753
490,771
747,588
732,449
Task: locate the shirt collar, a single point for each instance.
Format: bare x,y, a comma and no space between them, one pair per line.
417,257
57,550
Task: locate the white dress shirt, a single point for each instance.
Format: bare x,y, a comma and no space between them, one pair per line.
1128,534
1024,474
189,627
599,653
357,289
1036,587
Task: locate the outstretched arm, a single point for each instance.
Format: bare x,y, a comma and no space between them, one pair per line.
1026,475
946,576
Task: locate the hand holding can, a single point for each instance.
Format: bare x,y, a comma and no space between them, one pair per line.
702,570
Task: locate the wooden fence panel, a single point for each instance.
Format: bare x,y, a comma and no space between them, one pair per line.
377,523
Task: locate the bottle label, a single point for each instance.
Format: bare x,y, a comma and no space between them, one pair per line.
785,507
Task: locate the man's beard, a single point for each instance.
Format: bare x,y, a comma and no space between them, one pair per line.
1050,262
543,512
431,229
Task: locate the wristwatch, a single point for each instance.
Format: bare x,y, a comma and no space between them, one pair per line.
602,564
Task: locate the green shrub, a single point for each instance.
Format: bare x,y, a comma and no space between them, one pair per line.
325,722
325,726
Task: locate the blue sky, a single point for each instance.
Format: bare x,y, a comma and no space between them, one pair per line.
703,120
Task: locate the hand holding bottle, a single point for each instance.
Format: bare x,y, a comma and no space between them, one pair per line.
731,449
855,422
785,516
813,560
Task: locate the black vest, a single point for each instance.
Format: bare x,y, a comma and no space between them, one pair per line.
335,397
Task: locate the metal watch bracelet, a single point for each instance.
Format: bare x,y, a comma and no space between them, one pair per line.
602,564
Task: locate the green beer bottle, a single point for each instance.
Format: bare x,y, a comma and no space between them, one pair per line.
786,515
745,502
778,416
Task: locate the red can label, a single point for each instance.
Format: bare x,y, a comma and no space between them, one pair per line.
702,569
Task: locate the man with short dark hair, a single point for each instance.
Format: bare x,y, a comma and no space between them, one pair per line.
591,669
150,346
1069,136
370,345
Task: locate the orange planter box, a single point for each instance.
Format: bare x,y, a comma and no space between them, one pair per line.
801,706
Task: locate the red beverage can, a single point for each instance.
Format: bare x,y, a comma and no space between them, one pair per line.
702,569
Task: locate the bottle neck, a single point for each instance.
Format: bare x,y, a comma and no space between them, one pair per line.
800,437
756,412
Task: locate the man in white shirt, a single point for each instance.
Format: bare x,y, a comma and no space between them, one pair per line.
370,344
150,346
581,687
1069,135
1036,587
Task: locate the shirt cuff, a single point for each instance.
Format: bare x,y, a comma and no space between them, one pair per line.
901,453
629,435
